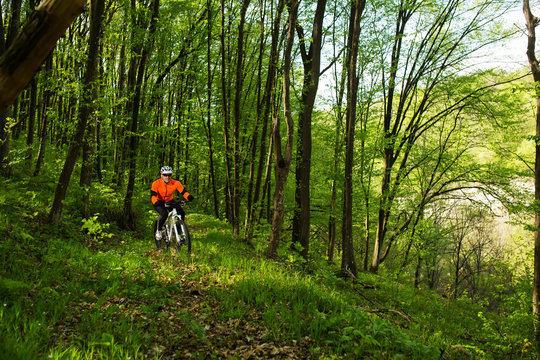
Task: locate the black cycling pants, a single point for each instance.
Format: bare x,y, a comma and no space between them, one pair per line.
164,211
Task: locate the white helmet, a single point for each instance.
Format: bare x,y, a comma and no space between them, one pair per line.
166,170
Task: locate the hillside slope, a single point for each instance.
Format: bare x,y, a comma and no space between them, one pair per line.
89,290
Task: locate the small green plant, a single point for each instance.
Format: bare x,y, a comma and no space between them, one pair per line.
97,230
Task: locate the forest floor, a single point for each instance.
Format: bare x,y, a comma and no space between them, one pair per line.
89,290
201,334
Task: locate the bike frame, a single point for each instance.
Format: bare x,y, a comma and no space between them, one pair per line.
170,224
176,228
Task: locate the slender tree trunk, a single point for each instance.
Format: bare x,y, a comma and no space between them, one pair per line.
118,125
417,272
338,145
312,63
248,224
133,138
532,22
237,114
283,163
88,151
366,179
14,21
348,262
186,147
209,108
89,147
332,225
32,110
13,28
457,268
265,208
388,150
96,15
5,167
265,108
99,162
44,121
226,121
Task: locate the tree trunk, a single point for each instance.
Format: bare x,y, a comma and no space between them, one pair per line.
249,224
237,114
226,121
33,44
208,110
532,22
388,160
348,262
44,121
96,15
133,128
417,272
312,64
13,28
263,114
5,167
118,111
338,141
32,110
283,163
332,224
88,151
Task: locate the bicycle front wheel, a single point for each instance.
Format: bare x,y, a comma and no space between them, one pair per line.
183,236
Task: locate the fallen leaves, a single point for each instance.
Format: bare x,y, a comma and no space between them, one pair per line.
186,324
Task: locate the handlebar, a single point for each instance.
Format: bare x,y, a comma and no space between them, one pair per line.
171,203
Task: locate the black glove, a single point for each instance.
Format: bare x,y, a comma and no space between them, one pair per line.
190,197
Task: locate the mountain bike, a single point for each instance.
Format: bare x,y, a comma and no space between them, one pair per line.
176,231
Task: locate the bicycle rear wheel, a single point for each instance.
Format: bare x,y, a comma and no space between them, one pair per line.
184,237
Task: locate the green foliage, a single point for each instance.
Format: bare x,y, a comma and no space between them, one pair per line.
63,297
97,230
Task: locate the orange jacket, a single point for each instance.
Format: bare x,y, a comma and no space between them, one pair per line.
165,192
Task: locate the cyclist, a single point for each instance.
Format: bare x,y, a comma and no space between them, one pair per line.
162,192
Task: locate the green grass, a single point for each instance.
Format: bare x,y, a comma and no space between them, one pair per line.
98,292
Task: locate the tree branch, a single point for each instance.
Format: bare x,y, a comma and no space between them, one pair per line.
33,44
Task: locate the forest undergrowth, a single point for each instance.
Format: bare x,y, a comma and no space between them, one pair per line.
89,290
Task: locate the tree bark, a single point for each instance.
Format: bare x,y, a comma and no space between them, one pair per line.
208,110
13,28
388,160
33,44
44,122
32,111
249,224
283,162
133,127
237,114
96,14
118,111
263,113
88,151
226,120
348,262
532,22
338,145
312,64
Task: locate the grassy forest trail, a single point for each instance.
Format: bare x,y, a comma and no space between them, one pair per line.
183,318
90,290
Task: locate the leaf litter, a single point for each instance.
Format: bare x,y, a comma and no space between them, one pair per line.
185,324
